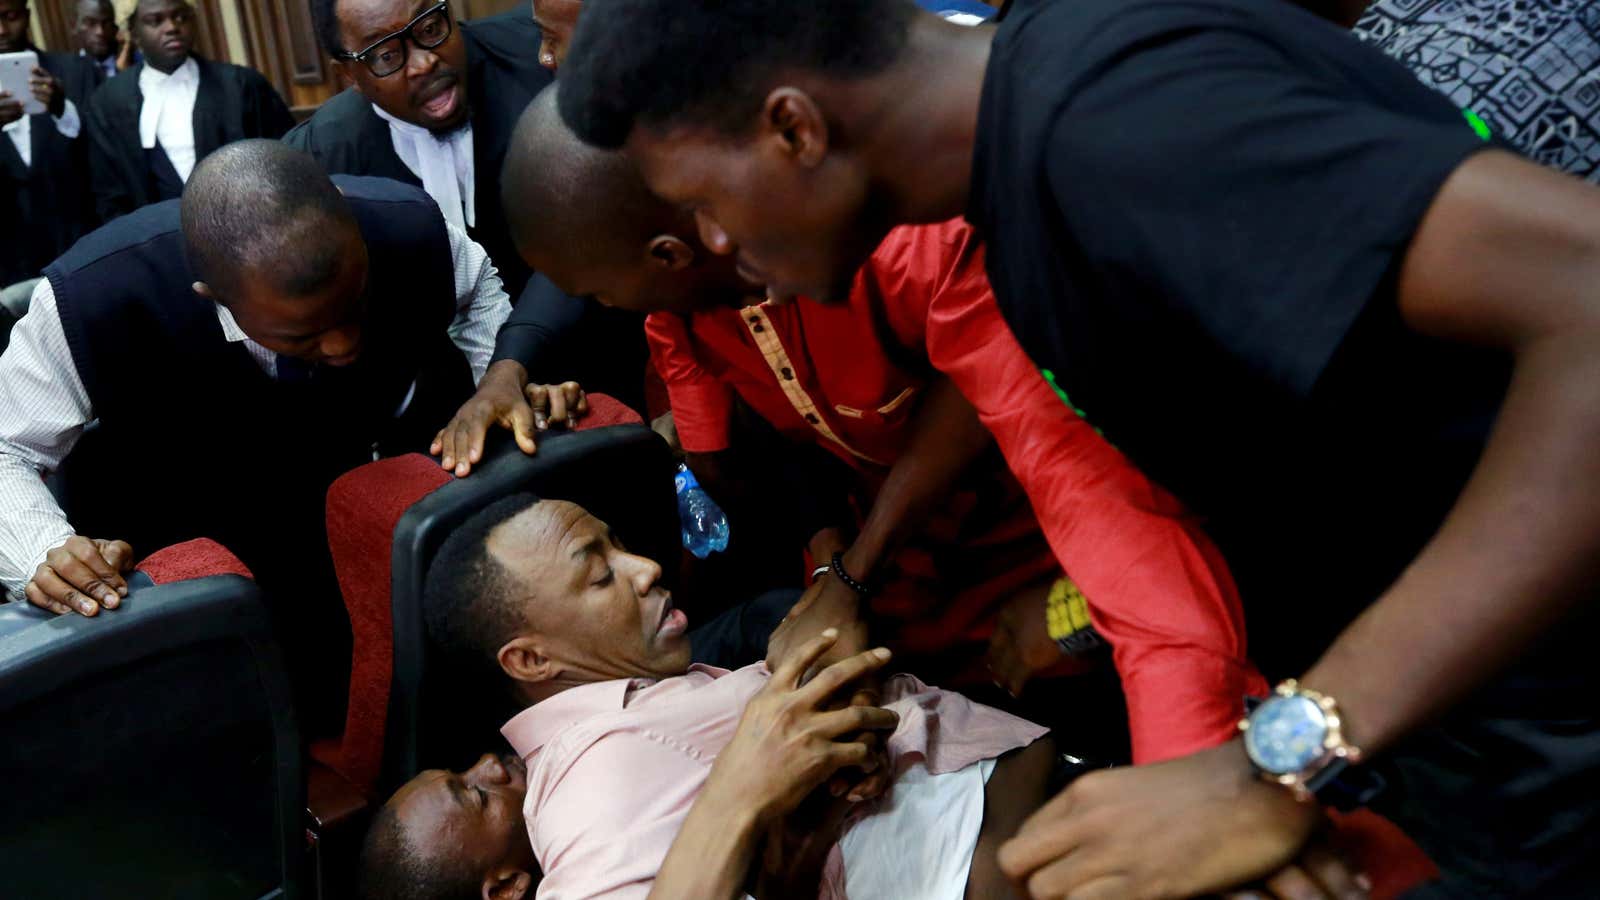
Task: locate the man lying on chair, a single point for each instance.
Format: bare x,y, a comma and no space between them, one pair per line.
638,774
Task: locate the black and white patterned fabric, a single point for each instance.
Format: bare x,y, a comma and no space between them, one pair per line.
1529,68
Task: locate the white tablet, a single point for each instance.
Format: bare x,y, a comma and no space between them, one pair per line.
15,70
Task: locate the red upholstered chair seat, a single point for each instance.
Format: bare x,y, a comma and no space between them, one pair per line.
364,506
192,559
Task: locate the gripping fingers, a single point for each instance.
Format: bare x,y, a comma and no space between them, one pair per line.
57,589
856,718
71,562
37,597
788,674
577,401
843,672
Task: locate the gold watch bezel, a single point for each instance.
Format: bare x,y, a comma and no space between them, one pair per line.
1334,744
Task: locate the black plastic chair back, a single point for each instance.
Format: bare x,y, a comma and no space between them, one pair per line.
151,751
440,715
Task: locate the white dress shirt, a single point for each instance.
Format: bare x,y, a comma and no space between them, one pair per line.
21,131
44,406
444,164
167,114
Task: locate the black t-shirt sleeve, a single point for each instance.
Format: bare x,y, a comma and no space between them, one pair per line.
1244,194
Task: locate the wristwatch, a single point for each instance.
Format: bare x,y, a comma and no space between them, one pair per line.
1294,738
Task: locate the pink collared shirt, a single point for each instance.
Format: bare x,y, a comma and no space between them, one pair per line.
613,767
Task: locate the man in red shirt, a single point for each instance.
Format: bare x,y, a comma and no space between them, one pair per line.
887,383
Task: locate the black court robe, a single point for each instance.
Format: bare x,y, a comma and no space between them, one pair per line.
554,336
49,202
234,103
503,75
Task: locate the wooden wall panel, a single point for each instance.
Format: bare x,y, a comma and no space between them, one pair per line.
283,45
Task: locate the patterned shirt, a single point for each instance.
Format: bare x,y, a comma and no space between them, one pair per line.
1529,68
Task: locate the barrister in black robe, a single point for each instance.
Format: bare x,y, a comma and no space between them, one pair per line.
233,103
492,66
48,191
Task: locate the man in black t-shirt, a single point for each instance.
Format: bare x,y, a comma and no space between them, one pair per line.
1294,285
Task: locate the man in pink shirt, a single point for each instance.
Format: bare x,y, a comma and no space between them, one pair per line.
639,775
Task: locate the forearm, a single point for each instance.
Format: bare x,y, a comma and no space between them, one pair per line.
713,852
31,524
482,306
946,439
1520,549
538,321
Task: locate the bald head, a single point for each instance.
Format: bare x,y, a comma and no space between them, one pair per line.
585,219
565,197
260,210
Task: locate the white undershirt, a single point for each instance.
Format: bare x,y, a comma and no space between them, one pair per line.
444,164
167,114
21,131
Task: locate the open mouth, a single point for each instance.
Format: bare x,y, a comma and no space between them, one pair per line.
673,622
441,103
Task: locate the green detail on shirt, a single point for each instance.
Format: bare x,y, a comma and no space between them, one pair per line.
1479,126
1061,392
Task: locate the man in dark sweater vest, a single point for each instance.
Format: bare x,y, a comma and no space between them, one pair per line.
433,102
44,168
148,128
281,328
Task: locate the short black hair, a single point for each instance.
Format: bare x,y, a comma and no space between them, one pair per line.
393,868
105,6
469,602
712,62
563,194
325,21
133,12
262,206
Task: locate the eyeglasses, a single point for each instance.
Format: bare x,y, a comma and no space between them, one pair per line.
388,54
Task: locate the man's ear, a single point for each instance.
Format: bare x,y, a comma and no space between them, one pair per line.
795,123
505,883
670,252
524,659
204,290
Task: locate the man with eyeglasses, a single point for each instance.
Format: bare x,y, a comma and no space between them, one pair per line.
148,131
433,103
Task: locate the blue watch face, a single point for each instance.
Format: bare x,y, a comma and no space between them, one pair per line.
1286,734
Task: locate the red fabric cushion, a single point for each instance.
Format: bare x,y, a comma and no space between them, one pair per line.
364,505
605,410
192,559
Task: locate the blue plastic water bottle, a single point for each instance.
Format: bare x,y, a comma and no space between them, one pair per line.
705,528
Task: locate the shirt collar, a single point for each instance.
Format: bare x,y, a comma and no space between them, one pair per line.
230,328
529,730
153,78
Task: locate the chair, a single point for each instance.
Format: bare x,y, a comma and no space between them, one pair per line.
151,751
386,519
